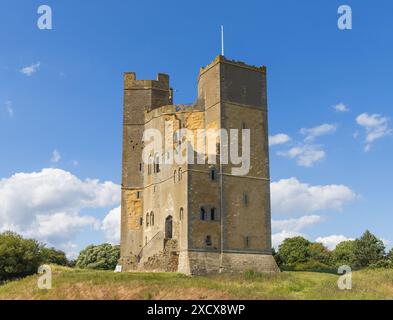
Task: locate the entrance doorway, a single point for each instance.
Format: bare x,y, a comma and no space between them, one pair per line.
168,227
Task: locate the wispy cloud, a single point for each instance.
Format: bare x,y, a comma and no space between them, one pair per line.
376,127
312,133
29,70
305,155
56,156
279,139
9,108
295,224
341,107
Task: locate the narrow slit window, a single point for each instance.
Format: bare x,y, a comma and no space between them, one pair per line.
147,220
248,242
152,218
208,241
203,213
245,199
213,174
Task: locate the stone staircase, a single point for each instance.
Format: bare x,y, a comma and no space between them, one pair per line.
166,260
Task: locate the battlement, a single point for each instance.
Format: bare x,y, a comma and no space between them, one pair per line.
131,82
222,59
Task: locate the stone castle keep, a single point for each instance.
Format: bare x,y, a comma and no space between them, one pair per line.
197,218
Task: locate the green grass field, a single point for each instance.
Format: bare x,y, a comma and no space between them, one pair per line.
88,284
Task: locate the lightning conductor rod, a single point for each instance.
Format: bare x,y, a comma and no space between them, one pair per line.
222,40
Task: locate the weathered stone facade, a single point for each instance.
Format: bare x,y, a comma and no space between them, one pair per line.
162,224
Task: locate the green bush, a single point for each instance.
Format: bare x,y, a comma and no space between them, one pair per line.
103,257
294,250
320,254
18,257
381,264
53,256
312,265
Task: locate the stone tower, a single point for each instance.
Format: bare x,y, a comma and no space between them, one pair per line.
197,218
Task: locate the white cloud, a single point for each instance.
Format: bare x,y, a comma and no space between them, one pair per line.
296,224
341,107
305,155
111,226
289,228
48,205
290,196
9,108
312,133
386,242
56,156
70,248
332,241
279,139
376,127
28,71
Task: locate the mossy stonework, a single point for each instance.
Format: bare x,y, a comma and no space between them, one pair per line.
197,218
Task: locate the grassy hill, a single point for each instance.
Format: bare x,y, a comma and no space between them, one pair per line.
88,284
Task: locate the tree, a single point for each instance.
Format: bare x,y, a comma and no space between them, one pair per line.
390,255
294,250
318,252
344,253
277,257
368,250
51,255
104,257
18,257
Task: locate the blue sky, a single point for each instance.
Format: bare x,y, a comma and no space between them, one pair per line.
72,102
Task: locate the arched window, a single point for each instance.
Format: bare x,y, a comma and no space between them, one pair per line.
203,213
149,165
208,241
181,213
152,218
174,176
157,163
213,173
218,148
213,214
180,174
147,219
